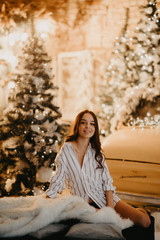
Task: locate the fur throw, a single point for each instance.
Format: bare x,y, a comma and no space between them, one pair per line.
23,215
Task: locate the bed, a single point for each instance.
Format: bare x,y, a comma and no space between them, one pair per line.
65,217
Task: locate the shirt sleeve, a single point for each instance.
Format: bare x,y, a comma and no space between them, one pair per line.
107,179
57,182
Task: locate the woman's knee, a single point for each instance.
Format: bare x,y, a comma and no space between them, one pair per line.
145,221
144,218
137,215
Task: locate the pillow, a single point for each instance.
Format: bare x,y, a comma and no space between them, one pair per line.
94,231
49,230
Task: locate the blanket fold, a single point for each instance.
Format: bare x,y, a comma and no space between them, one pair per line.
20,216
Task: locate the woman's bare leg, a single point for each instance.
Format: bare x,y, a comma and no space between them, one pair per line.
137,215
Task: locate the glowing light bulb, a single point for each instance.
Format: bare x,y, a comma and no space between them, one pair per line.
24,37
11,84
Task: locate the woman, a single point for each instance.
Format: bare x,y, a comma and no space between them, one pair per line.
82,166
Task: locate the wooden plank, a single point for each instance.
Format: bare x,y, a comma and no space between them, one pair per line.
139,198
135,177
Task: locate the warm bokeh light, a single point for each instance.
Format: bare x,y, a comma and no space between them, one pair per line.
44,26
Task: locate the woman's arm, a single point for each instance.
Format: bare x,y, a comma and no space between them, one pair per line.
109,199
108,187
57,182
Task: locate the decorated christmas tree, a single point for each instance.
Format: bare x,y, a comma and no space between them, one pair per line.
133,72
117,78
146,45
30,131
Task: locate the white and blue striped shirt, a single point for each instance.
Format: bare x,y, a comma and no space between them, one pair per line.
87,181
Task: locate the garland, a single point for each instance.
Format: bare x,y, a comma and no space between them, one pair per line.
132,96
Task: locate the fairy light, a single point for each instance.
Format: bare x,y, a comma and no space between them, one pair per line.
11,85
147,121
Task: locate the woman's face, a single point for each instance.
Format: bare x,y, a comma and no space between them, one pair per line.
87,126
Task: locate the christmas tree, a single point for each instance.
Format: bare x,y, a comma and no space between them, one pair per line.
117,78
30,133
146,45
135,76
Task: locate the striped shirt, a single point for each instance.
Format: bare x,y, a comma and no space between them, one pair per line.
87,181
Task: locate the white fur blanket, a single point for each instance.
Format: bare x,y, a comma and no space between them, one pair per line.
23,215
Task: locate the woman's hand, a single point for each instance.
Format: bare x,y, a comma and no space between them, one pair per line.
47,196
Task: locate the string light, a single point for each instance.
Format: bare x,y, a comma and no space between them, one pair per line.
53,165
147,121
51,140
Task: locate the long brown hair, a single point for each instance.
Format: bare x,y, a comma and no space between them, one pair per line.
94,140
